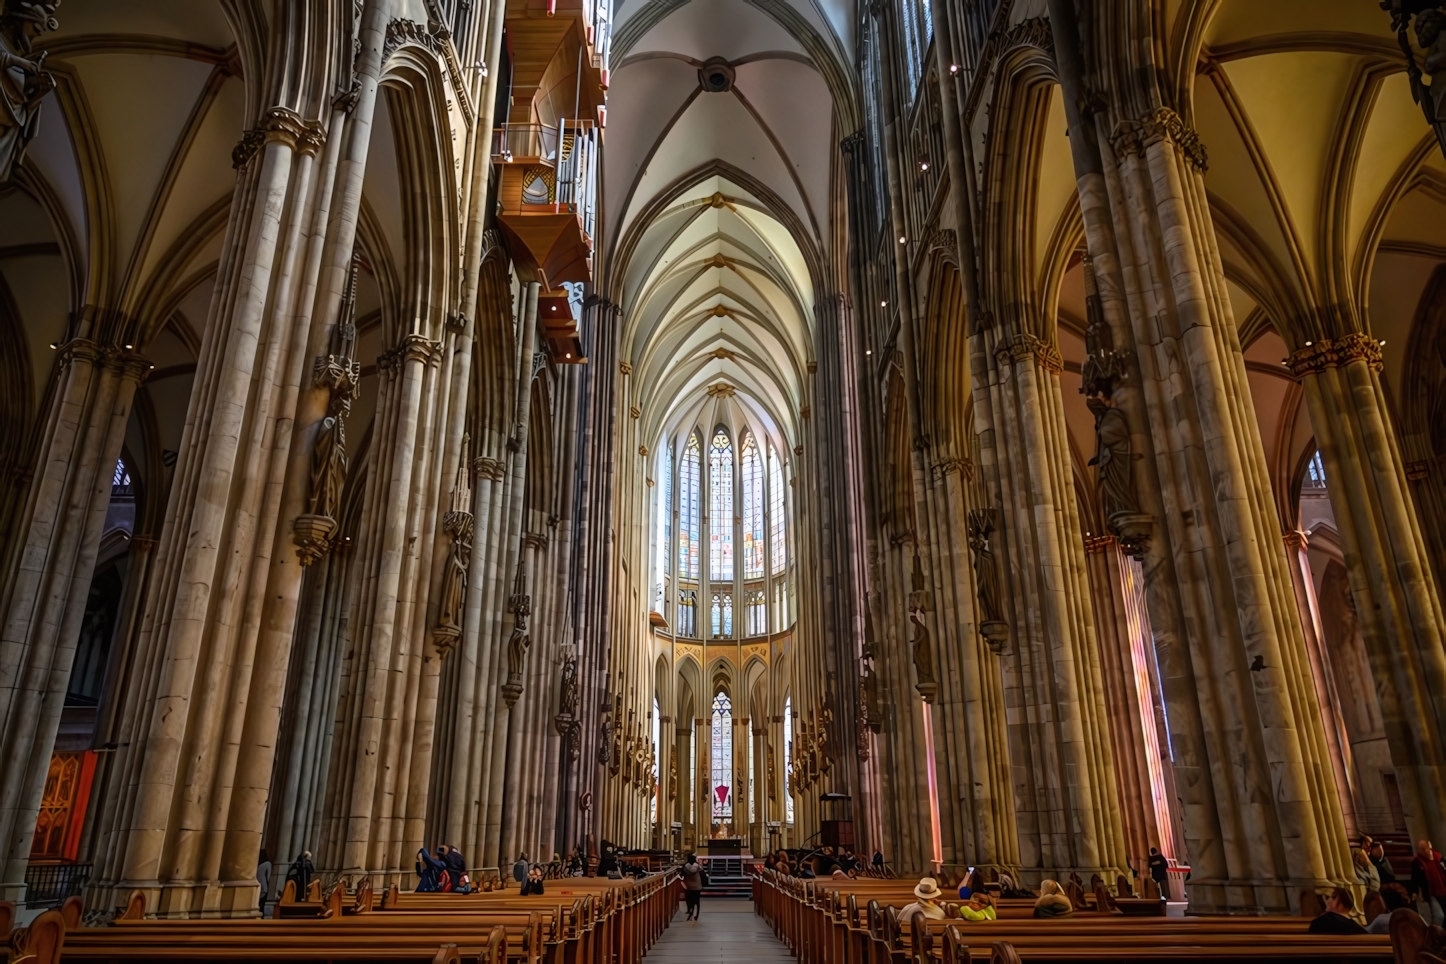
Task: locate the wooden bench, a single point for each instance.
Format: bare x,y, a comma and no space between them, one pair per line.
614,922
846,922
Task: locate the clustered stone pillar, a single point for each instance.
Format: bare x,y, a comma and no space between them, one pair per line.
1251,760
1387,561
1067,813
60,528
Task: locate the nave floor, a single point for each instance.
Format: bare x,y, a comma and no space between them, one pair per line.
727,931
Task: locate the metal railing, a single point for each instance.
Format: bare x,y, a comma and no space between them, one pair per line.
571,150
47,885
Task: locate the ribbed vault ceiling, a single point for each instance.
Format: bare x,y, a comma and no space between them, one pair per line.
718,201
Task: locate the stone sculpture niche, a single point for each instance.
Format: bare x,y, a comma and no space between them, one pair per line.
315,530
24,81
520,605
920,601
1103,369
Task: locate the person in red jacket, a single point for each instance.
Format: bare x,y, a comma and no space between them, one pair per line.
1428,882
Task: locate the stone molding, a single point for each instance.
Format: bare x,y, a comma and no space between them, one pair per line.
1315,357
282,125
1160,124
490,469
1024,346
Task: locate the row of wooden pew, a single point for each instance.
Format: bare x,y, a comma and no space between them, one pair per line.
832,921
576,921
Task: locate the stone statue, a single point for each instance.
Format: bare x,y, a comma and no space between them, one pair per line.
24,81
568,702
1114,457
673,777
517,647
328,468
1431,35
927,683
772,775
986,575
519,642
454,577
605,741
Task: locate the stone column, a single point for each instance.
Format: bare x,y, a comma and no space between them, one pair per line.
59,534
1400,612
1058,731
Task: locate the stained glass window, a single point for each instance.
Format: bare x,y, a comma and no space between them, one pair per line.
657,754
757,612
689,537
720,507
753,548
1315,473
722,614
788,760
775,510
665,524
722,757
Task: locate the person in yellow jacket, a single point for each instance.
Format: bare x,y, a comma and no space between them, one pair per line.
980,907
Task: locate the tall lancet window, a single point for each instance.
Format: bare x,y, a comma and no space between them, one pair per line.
657,755
665,526
722,758
788,760
720,507
775,511
689,538
753,548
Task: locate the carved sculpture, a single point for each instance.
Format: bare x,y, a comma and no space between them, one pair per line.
772,774
520,605
315,530
919,602
24,81
1431,35
566,717
458,524
605,741
1103,369
986,580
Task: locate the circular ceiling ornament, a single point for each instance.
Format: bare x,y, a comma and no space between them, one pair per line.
716,76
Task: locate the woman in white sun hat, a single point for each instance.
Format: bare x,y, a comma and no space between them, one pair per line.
928,894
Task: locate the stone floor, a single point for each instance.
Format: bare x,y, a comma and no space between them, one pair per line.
727,931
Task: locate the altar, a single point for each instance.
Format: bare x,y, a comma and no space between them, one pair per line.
725,847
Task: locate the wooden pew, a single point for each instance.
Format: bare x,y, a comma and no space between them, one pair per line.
822,921
613,923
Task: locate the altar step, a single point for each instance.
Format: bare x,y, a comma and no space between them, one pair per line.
726,877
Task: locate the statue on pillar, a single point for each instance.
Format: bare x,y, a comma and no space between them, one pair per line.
519,642
24,81
920,602
1431,36
986,580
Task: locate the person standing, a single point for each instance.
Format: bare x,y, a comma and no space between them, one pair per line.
1428,882
1384,871
1159,869
519,870
692,885
263,879
456,868
301,871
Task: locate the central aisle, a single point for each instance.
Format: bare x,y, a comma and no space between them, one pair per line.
727,931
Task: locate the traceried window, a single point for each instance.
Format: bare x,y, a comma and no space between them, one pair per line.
788,760
665,525
689,537
753,548
722,758
775,511
722,614
720,508
757,602
687,612
1315,477
918,25
657,755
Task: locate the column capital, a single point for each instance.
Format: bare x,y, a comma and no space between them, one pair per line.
1160,124
1024,346
1314,357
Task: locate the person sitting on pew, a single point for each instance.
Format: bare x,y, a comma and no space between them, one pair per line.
519,869
1366,872
1384,871
1395,897
431,870
533,883
1052,902
456,869
1337,918
980,907
1008,888
928,893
